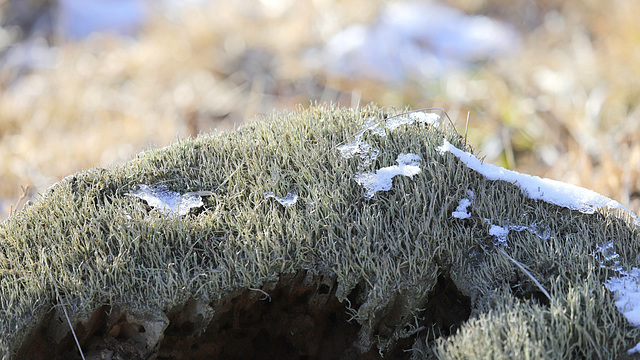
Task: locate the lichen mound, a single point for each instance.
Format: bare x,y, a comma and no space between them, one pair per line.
315,239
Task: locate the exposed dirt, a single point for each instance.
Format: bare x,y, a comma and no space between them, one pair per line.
299,317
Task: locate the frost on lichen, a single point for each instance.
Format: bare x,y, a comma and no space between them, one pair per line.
288,200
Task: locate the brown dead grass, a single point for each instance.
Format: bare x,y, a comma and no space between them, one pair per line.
564,106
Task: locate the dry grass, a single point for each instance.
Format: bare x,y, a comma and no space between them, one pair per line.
563,106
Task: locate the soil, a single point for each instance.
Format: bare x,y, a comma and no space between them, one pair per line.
299,317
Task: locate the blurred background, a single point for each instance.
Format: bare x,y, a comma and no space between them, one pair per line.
551,87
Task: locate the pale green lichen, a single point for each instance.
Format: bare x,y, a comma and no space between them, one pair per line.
103,247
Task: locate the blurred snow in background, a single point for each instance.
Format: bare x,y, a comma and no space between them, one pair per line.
408,39
77,19
46,25
414,39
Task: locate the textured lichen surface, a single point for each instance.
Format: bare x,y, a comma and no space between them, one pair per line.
101,247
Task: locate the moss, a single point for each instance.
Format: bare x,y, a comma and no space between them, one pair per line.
410,275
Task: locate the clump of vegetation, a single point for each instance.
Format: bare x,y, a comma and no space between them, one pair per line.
396,275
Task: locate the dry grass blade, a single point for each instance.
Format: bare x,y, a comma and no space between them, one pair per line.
64,309
526,272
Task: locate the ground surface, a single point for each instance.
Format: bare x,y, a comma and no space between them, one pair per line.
339,272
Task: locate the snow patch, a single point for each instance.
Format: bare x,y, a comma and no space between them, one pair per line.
626,290
499,233
551,191
627,287
414,40
461,211
408,165
635,349
627,295
367,153
169,203
78,19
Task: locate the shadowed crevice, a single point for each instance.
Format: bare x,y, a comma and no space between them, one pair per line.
299,317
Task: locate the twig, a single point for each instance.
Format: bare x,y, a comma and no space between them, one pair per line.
25,194
65,313
593,343
466,128
527,272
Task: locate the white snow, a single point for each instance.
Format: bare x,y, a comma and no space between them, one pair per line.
461,211
288,200
551,191
500,233
627,295
414,40
374,127
169,203
408,165
78,19
635,349
368,154
626,288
